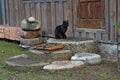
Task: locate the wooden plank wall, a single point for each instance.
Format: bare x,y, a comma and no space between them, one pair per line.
0,13
111,16
50,13
13,12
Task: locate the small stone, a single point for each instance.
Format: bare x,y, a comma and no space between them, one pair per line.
31,19
31,42
89,58
30,24
62,65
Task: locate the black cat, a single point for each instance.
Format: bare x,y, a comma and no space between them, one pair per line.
61,30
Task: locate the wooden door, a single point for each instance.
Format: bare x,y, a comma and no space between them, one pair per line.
90,14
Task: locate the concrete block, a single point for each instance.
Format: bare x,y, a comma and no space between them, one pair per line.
89,58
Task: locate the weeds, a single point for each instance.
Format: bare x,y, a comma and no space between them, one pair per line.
104,71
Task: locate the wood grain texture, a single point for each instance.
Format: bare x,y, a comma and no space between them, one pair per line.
52,13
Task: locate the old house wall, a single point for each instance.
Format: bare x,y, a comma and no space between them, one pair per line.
52,12
0,14
108,32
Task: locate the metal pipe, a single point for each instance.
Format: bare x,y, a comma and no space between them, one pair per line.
3,11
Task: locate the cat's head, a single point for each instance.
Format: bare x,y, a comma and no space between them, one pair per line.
65,23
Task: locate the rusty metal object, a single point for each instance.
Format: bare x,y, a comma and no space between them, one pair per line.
48,46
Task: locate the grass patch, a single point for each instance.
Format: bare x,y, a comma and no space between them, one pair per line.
104,71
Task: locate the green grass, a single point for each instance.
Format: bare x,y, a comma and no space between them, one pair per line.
104,71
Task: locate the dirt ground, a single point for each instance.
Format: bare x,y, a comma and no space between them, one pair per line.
106,70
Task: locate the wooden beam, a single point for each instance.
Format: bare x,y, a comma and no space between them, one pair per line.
35,1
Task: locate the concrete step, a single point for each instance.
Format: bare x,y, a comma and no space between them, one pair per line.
49,56
77,45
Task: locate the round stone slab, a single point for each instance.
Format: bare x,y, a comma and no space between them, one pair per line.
89,58
62,65
31,42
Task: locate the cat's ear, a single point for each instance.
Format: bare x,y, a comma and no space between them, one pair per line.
65,21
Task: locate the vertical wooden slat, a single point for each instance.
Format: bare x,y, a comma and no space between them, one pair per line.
49,18
32,10
60,11
20,9
68,16
12,14
38,13
74,16
112,19
0,14
58,22
23,11
118,9
98,36
53,19
16,4
106,24
44,17
70,29
83,34
27,10
7,12
91,35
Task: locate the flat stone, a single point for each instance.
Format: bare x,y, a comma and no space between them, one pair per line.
50,56
31,42
89,58
23,61
77,45
62,65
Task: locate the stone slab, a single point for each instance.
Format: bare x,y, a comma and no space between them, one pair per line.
89,58
109,49
77,45
50,55
62,65
23,61
31,42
